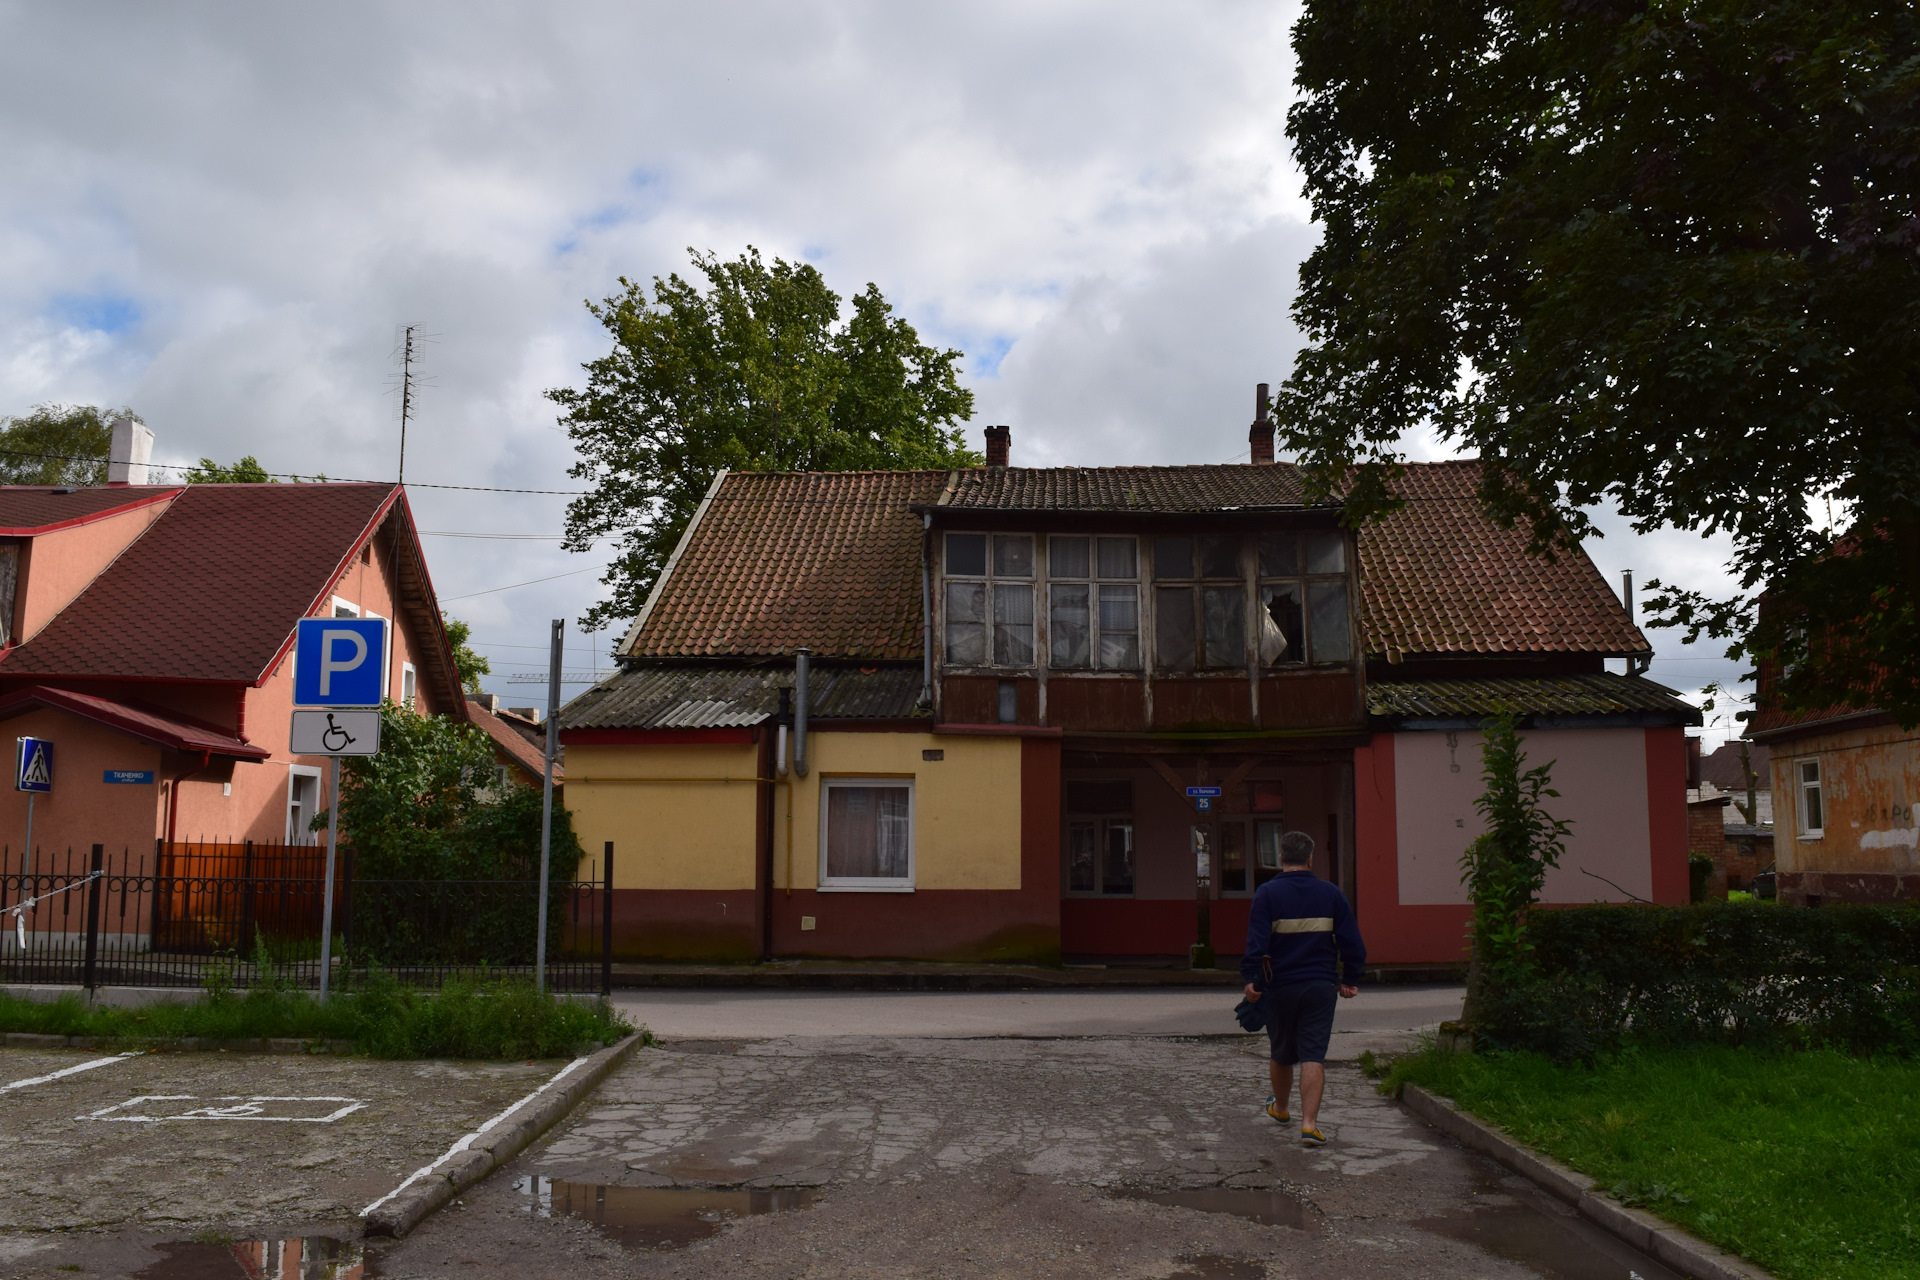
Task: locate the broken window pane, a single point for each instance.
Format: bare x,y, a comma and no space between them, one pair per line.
1173,638
1224,625
1012,555
1330,630
1326,553
1173,557
1282,633
1119,559
966,553
1082,846
867,833
966,623
1119,628
1116,873
1279,555
1012,625
1219,557
1067,558
1068,632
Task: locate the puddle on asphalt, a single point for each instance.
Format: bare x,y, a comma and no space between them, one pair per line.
300,1258
1273,1208
1559,1246
656,1217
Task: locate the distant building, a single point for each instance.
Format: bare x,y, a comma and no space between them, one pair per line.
517,758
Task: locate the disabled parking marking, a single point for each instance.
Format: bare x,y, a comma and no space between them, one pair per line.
69,1071
240,1107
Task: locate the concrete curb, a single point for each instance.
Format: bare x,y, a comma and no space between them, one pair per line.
406,1211
1672,1247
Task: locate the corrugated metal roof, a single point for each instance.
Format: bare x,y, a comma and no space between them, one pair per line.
1551,698
684,697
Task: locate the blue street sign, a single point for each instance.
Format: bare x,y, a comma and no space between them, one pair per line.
1203,791
34,767
1203,803
128,777
338,662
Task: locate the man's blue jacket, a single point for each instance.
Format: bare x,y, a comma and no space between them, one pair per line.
1302,923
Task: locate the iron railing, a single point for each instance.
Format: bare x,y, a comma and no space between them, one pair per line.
248,914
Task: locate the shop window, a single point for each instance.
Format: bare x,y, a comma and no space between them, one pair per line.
1305,610
866,833
989,591
1813,819
1095,603
1100,837
1199,604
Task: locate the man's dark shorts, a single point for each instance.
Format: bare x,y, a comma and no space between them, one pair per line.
1300,1020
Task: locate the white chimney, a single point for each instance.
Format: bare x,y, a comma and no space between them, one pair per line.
131,448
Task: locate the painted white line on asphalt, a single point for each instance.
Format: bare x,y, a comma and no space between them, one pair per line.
468,1141
70,1071
245,1107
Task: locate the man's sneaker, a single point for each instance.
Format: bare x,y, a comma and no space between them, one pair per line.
1312,1138
1273,1109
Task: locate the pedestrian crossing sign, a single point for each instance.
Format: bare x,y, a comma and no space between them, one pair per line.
34,771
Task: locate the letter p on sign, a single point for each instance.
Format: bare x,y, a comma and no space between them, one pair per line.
339,662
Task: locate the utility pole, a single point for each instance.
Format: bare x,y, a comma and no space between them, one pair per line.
546,804
406,393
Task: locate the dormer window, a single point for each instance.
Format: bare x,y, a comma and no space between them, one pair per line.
990,599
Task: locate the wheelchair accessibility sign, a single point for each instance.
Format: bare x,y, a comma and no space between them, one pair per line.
335,733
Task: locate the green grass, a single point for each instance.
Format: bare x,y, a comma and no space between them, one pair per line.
1806,1163
502,1018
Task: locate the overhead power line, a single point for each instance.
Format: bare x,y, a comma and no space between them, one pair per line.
592,568
295,475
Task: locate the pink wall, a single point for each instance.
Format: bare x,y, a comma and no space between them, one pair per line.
81,810
59,565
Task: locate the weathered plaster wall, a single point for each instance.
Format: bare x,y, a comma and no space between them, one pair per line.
1869,848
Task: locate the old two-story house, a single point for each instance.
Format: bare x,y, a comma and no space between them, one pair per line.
149,637
1070,711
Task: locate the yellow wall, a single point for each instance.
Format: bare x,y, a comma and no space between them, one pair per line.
695,835
700,835
966,808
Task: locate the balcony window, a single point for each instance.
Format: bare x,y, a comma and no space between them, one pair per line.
1095,603
989,609
1199,604
1305,599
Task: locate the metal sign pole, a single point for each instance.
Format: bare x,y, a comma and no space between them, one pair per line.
27,867
326,893
546,804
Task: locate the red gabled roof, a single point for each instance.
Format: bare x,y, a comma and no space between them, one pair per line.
212,591
167,728
511,743
26,510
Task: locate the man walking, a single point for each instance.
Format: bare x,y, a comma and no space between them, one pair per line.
1299,926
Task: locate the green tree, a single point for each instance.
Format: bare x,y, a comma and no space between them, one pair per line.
1505,868
1657,254
470,665
246,471
58,444
754,372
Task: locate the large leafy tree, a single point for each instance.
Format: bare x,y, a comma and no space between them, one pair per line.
758,370
58,444
1653,253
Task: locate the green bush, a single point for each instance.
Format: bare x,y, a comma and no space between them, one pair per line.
1847,977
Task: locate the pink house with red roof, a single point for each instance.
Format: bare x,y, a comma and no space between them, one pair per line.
148,634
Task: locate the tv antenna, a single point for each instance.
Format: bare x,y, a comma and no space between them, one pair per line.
407,347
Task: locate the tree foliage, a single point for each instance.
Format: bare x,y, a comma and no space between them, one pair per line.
1658,253
756,371
58,444
246,471
1505,868
470,665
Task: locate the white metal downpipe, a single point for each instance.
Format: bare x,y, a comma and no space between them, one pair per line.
800,699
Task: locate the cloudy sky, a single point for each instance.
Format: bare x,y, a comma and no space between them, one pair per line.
220,213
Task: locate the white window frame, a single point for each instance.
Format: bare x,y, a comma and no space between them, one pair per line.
302,771
409,686
990,583
1801,786
1094,584
343,608
864,884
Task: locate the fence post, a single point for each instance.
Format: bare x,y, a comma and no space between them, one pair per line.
606,927
346,928
247,905
96,866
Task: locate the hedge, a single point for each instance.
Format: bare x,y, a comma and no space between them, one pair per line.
1721,973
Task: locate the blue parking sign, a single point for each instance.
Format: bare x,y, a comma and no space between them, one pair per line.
34,769
339,662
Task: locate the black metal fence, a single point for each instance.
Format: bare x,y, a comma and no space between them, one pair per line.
249,914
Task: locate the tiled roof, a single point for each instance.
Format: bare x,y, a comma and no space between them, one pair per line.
1549,698
828,560
167,728
1722,767
1439,577
684,697
511,743
1140,490
212,590
832,561
1772,721
28,509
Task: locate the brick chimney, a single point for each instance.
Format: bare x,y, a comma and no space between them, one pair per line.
1000,443
1260,435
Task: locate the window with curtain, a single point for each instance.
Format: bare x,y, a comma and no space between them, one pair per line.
867,834
989,599
1094,619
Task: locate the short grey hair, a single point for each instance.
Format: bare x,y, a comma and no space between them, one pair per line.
1296,849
